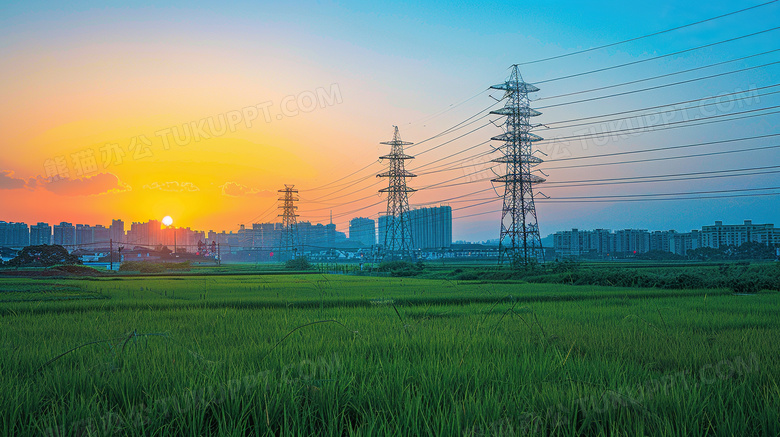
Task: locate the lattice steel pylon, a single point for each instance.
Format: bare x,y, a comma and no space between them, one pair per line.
398,231
288,240
519,240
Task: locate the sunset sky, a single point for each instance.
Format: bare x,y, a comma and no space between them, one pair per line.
201,111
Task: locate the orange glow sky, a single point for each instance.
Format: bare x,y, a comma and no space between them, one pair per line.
90,79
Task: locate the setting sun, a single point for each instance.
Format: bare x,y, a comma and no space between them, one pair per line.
167,220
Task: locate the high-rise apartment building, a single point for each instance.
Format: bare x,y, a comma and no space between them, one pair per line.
362,230
65,234
40,234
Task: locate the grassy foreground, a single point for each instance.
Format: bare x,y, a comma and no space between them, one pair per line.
338,355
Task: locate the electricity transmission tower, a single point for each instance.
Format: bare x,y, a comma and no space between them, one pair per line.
398,231
519,242
288,241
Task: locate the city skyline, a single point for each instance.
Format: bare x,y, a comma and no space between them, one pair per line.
361,227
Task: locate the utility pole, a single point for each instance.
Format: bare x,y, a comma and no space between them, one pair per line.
398,231
111,254
519,240
288,241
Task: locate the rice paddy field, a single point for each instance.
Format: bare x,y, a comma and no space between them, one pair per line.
340,355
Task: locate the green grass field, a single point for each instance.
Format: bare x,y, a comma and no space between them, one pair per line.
342,355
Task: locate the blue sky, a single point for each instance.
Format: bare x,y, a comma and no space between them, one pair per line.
397,64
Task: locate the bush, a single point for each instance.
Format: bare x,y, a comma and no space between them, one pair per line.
565,266
45,255
402,268
152,267
77,270
741,285
185,265
300,263
467,276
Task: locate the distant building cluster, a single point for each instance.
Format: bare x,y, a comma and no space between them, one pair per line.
431,228
266,236
98,236
362,231
14,234
604,242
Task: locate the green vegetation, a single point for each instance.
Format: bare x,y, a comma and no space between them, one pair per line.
344,355
300,263
153,267
746,251
43,256
402,268
740,277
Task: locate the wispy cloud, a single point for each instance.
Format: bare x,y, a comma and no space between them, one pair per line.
9,182
235,189
100,183
172,186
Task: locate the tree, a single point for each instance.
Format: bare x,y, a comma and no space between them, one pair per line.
163,250
43,256
300,263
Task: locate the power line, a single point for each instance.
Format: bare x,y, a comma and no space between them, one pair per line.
626,180
676,176
264,213
441,184
343,188
367,177
659,113
485,153
449,108
449,130
730,196
647,181
454,139
345,177
454,154
735,190
627,197
461,123
657,86
676,124
456,126
657,57
661,199
667,158
655,77
453,128
664,106
684,146
644,36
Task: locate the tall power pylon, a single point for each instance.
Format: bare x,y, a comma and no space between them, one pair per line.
398,231
288,241
519,242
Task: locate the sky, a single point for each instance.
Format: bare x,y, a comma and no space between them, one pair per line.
202,111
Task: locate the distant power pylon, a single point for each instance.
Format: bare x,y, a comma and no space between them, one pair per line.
519,242
398,232
288,241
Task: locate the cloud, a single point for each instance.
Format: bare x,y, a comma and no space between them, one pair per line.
9,182
234,189
88,186
173,186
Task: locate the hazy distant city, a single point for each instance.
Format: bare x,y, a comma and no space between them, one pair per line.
431,229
